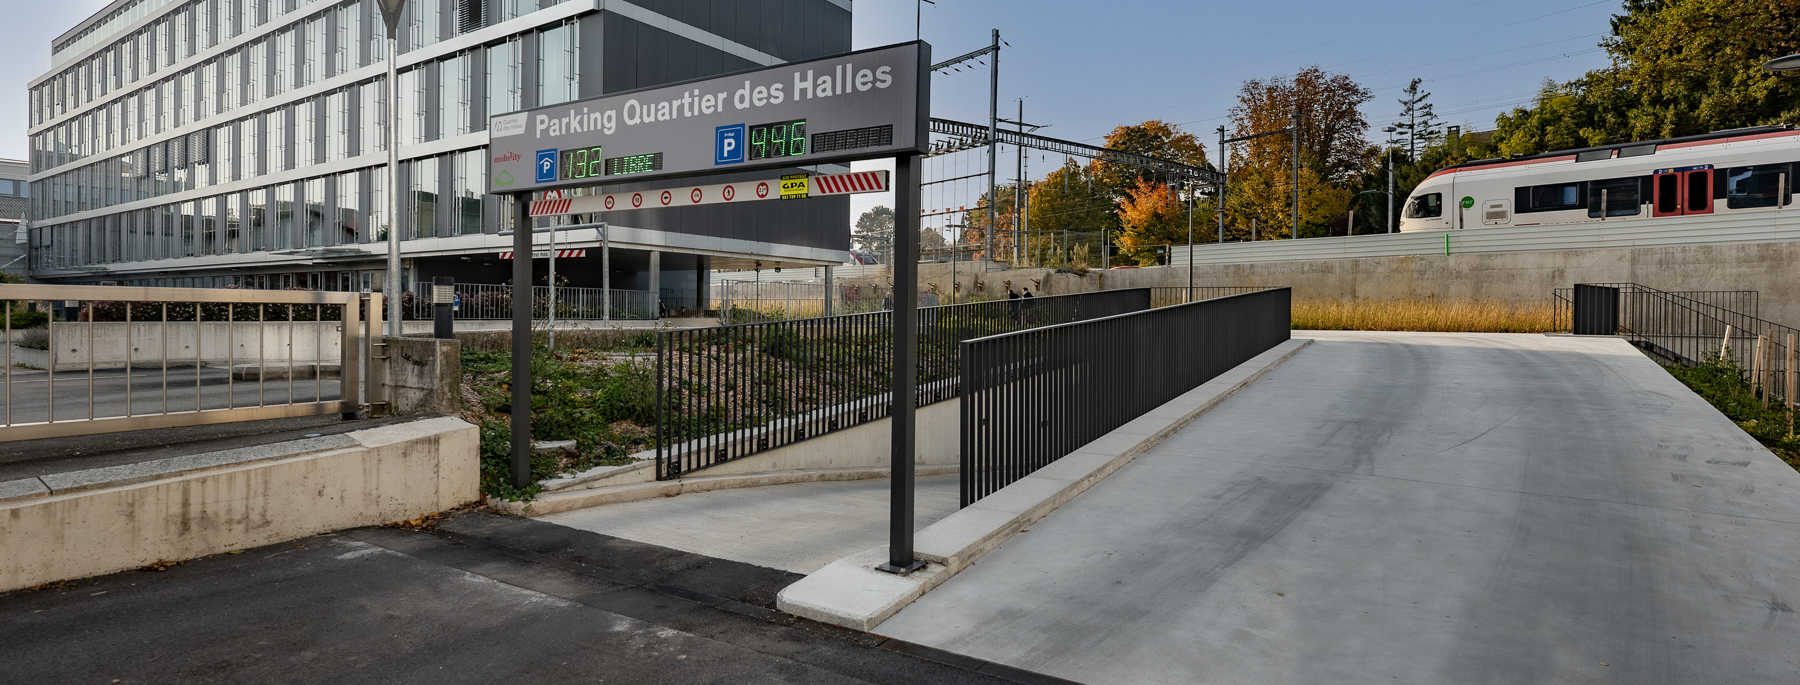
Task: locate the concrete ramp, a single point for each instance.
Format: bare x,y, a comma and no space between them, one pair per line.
1412,508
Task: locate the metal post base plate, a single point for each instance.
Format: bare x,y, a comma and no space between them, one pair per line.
901,570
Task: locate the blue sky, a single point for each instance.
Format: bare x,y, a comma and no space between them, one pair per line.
1085,67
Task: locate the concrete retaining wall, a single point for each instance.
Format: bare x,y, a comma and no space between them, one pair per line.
424,376
379,475
1511,276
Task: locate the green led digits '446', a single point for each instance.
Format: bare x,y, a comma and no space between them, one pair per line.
778,139
580,163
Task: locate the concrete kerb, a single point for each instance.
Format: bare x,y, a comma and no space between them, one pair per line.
851,594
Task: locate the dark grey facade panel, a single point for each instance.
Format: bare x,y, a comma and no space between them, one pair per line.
592,39
790,29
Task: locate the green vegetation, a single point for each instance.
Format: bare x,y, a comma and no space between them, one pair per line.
1722,383
24,319
603,399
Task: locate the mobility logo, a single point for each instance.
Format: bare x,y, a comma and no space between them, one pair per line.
505,157
546,166
730,145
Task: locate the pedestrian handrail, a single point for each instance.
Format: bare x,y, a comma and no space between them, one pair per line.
1032,396
1685,327
729,392
138,358
1163,296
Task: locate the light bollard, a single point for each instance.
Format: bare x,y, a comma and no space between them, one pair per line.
443,297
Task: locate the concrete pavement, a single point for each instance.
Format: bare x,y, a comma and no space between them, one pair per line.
798,527
1418,508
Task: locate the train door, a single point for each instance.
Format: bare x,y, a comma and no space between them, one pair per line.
1683,191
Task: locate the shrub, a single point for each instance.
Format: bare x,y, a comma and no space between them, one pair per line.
29,319
36,338
1721,382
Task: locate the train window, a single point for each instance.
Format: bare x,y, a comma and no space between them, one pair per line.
1755,186
1620,194
1427,206
1558,196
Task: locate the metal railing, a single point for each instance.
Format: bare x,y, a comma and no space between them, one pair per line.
755,302
483,301
1684,328
730,392
140,358
1030,397
1163,296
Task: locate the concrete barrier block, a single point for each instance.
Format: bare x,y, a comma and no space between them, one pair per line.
851,593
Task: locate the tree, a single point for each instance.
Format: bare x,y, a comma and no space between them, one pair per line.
1679,67
1153,215
1154,138
1417,120
1069,203
976,218
874,233
1334,155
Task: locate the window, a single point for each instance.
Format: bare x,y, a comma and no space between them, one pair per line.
372,109
284,216
1558,196
423,179
315,211
275,141
234,211
1427,206
471,182
556,65
453,95
425,23
503,77
411,114
337,129
281,58
305,126
1763,185
209,226
349,207
255,217
1621,196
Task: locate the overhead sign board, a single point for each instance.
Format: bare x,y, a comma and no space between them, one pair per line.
859,105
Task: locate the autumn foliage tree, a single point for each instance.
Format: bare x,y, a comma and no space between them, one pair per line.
1334,154
1152,215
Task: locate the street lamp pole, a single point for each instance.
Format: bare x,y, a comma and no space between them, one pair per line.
1389,217
390,14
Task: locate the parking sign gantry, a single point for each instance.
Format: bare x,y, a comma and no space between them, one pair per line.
862,105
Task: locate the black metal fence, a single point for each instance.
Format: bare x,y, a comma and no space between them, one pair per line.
1030,397
730,392
1686,328
1161,296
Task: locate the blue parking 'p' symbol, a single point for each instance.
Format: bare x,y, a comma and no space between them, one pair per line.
546,166
730,146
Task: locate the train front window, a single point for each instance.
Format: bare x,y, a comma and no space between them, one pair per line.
1756,186
1427,206
1620,195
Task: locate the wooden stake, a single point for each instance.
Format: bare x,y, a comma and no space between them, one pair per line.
1726,345
1768,370
1790,383
1756,365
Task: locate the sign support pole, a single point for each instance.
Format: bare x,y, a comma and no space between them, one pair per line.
906,353
521,342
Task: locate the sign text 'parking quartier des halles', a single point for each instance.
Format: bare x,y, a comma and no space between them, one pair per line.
859,105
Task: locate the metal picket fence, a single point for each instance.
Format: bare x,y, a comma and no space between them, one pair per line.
730,392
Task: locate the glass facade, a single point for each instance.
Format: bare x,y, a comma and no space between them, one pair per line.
169,129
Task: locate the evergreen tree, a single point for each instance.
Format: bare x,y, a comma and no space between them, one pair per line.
1418,123
874,233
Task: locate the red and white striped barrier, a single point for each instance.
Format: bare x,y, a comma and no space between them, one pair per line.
854,182
720,193
545,254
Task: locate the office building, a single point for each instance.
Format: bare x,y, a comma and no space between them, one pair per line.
206,143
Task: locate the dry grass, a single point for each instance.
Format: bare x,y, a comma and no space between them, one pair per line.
1426,314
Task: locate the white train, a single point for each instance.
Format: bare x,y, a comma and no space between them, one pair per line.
1725,175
